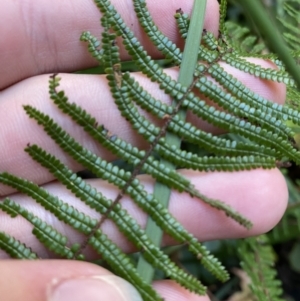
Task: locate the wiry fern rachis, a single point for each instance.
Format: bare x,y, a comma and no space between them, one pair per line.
245,114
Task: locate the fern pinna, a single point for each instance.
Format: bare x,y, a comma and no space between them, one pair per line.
262,125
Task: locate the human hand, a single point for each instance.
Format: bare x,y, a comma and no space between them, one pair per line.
44,39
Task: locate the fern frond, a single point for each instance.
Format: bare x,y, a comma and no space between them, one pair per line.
183,23
188,132
46,234
93,45
258,71
245,114
57,242
14,248
123,265
243,42
118,177
236,88
242,109
61,210
258,261
223,13
210,114
121,218
162,43
290,22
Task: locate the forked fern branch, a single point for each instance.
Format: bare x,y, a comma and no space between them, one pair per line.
262,124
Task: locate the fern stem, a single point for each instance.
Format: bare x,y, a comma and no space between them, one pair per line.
271,34
189,60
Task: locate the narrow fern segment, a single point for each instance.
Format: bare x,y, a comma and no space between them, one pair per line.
162,43
244,128
258,261
150,132
123,265
176,90
119,177
236,88
93,45
216,94
136,50
61,210
57,243
266,106
258,71
204,54
187,131
14,248
223,13
120,147
239,108
183,23
210,41
114,83
121,218
46,234
207,54
151,166
176,155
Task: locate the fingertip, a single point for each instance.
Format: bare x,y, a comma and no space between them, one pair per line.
171,291
38,280
54,280
259,195
270,200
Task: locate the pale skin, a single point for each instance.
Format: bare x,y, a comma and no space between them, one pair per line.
37,40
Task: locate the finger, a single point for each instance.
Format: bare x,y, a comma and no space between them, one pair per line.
170,290
92,94
45,38
259,195
72,280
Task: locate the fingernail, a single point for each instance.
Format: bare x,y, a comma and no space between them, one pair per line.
96,288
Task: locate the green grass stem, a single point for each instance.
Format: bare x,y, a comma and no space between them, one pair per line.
267,27
189,60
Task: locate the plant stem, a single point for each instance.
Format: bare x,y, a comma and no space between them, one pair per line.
270,32
189,60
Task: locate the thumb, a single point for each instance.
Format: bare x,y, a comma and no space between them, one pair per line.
60,281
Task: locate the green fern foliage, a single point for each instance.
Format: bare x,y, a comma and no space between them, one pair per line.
289,17
267,140
258,260
289,226
14,248
290,20
242,39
